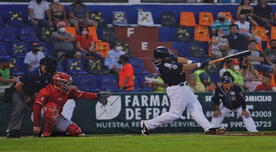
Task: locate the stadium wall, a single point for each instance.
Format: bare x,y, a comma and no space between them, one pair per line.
124,112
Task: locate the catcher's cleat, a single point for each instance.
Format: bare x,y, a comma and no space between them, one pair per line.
144,129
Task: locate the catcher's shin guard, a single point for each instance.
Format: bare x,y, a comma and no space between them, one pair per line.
50,115
74,130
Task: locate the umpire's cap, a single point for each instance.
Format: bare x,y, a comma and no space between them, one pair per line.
226,79
161,52
50,63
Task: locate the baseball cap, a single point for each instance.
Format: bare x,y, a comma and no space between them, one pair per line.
226,79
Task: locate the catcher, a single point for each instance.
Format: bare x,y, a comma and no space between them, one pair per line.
50,101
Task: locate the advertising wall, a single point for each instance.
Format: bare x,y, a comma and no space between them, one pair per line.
124,112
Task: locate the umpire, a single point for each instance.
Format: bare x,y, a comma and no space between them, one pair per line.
229,97
24,92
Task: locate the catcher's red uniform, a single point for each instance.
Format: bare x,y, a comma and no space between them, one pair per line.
51,100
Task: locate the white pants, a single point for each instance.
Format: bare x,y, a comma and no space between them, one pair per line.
180,98
249,122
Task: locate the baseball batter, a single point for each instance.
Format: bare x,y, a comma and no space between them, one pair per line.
171,70
50,101
230,97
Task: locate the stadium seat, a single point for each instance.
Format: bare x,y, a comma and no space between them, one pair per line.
229,16
8,34
19,49
102,48
145,18
19,66
1,21
167,34
4,47
273,33
261,32
15,18
45,48
138,65
60,67
182,48
206,18
119,18
92,31
108,82
88,83
184,34
72,30
168,19
75,66
201,33
199,49
187,19
28,34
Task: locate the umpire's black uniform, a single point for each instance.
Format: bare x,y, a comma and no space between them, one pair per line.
31,82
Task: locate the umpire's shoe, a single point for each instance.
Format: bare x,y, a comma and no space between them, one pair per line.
13,134
144,129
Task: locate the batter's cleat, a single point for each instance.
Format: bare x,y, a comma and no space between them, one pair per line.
211,131
220,131
144,129
215,131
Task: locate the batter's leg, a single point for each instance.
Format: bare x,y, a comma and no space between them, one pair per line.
178,103
248,122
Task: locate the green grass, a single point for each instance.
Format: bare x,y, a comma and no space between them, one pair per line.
153,143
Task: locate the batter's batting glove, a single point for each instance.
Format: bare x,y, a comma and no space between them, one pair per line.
102,97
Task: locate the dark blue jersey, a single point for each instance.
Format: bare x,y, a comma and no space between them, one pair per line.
171,72
34,81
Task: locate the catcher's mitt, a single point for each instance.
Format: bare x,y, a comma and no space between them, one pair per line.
102,97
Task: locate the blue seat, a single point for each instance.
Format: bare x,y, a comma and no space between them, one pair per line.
28,34
60,67
8,34
75,66
19,49
167,34
4,47
119,18
15,18
46,49
108,82
1,21
89,83
138,65
182,48
19,66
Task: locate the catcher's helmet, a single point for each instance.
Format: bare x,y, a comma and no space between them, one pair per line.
161,52
62,81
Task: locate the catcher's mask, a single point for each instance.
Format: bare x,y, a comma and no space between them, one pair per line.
62,82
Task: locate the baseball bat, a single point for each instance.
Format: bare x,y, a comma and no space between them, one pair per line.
236,55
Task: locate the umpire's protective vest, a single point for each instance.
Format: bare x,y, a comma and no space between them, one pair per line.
238,79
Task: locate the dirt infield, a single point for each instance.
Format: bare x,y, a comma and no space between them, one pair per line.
251,134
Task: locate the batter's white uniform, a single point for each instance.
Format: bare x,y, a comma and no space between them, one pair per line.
180,97
249,122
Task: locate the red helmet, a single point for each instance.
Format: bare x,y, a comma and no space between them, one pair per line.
62,81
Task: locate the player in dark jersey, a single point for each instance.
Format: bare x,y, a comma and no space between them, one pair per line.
171,70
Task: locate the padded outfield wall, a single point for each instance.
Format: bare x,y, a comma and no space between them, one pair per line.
124,112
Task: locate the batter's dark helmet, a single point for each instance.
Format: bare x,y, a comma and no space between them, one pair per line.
161,52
